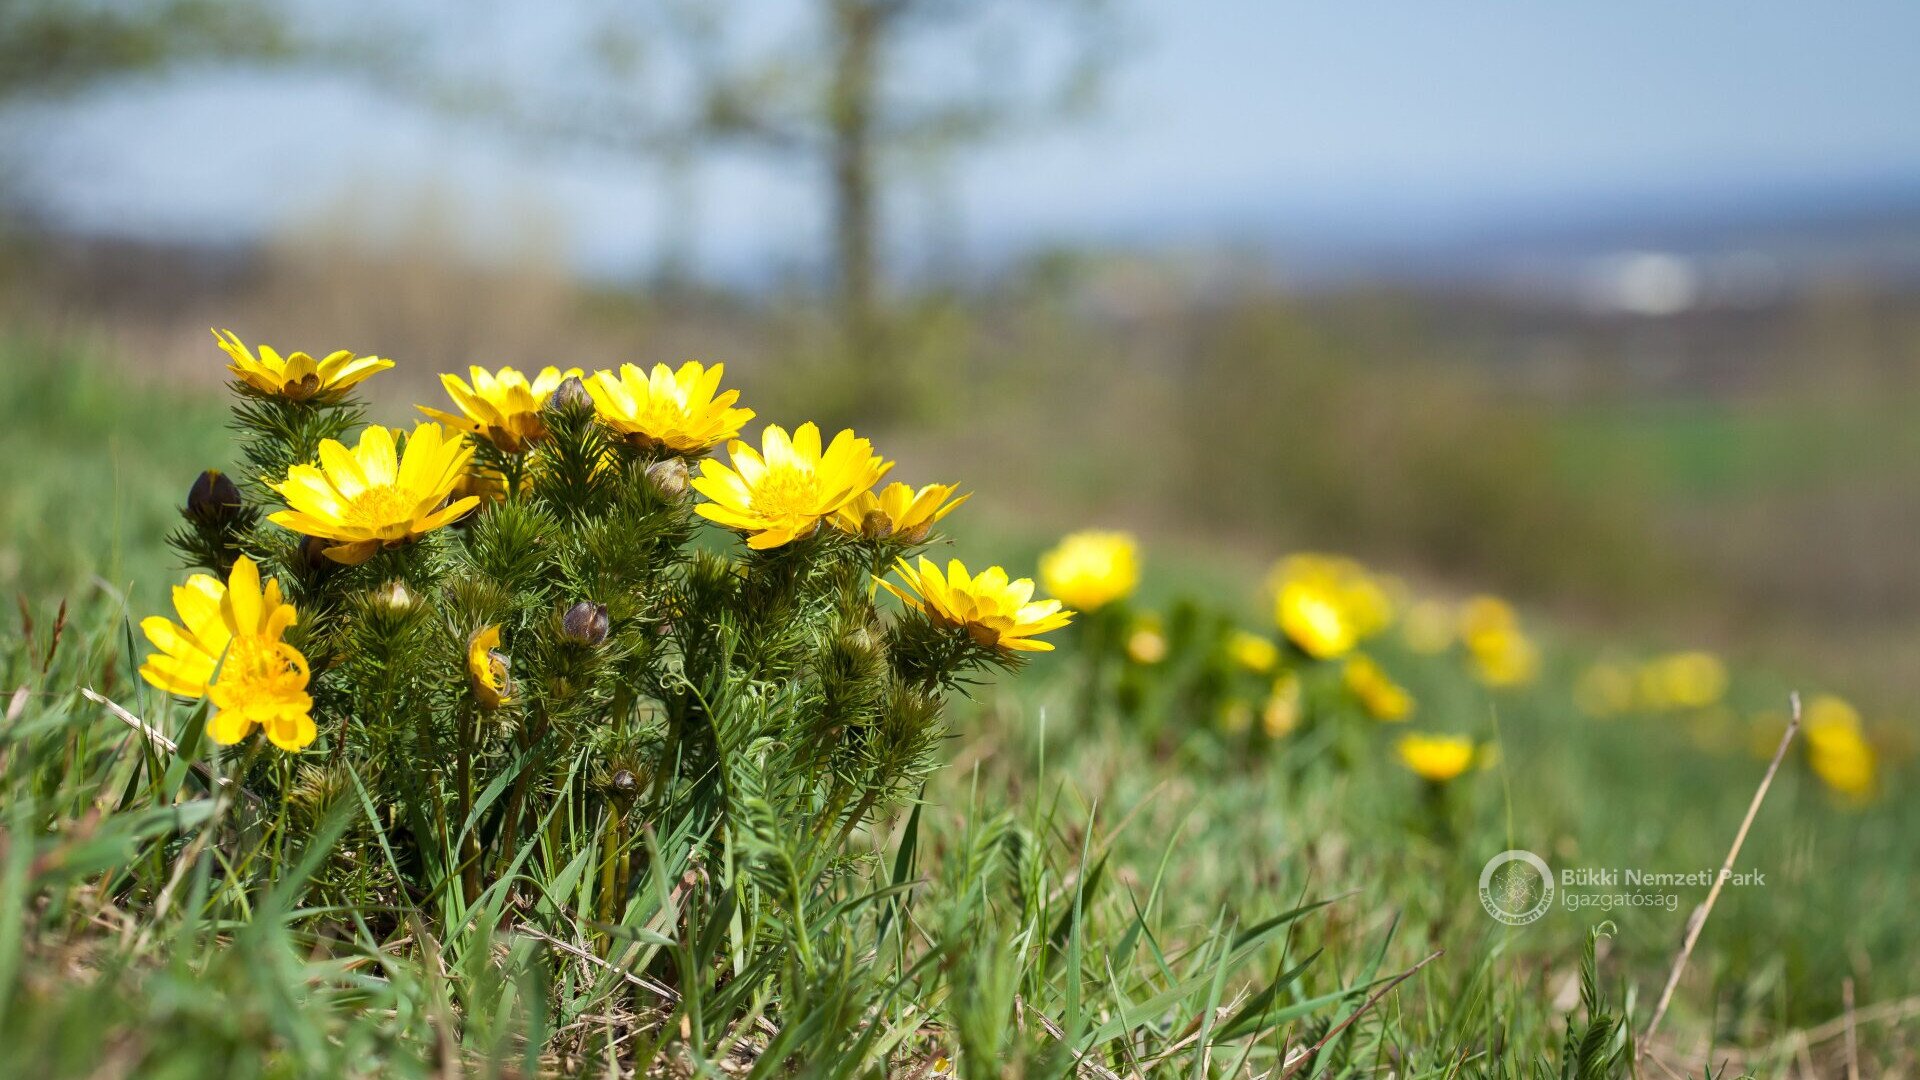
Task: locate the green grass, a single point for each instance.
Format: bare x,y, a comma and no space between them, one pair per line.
1087,882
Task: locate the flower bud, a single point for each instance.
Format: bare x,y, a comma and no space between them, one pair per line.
625,782
212,497
876,525
393,598
585,623
571,394
669,477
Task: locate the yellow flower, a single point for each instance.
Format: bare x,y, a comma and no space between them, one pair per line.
487,668
898,511
297,377
1603,690
1253,652
781,491
1379,695
1147,643
994,610
1436,758
1327,604
1281,714
1502,655
1428,627
1684,680
227,647
502,408
370,497
1092,569
678,410
1838,749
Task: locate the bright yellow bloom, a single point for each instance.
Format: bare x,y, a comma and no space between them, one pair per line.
780,492
899,511
1253,652
1502,654
487,668
227,647
1147,642
297,377
1378,694
1436,758
994,610
502,408
1603,690
371,497
1684,680
1092,568
1327,604
678,410
1281,714
1428,627
1837,747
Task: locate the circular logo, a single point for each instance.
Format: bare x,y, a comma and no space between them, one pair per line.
1516,887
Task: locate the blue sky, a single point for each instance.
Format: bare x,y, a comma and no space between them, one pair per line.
1357,119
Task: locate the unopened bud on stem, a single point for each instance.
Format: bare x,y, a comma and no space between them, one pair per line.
585,623
212,497
571,394
669,477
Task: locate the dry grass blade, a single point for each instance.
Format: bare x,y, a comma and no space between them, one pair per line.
1699,920
1294,1065
160,741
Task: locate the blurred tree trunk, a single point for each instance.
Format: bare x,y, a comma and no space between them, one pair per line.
857,27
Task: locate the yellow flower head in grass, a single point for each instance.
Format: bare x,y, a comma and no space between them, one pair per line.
1436,758
1837,747
995,611
1683,680
1281,713
227,647
501,407
1253,652
1092,569
1502,654
487,668
679,410
780,492
1378,694
898,511
1327,604
1147,641
371,496
297,377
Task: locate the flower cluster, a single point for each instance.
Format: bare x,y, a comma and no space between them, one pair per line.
513,592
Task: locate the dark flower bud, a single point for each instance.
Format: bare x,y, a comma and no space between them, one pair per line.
625,782
212,497
313,550
570,395
669,477
876,525
585,623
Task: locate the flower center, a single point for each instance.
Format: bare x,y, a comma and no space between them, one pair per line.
378,507
259,670
786,493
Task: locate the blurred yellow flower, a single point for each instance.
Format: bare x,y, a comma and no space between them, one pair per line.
1428,627
297,377
227,647
502,408
1092,568
1605,689
1502,654
1837,747
780,492
1379,695
1146,641
1327,604
487,668
1253,652
899,512
371,496
1683,680
1281,713
679,410
1436,758
995,611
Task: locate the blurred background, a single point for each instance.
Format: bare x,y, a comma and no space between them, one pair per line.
1612,306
